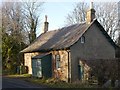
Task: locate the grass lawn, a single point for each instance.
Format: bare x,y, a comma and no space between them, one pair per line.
20,76
51,82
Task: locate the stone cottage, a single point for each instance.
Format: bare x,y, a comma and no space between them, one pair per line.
65,48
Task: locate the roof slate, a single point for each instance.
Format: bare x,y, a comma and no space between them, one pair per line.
61,38
40,56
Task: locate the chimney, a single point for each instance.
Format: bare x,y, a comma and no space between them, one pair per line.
45,29
90,14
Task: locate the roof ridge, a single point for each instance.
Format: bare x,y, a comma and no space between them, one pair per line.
60,38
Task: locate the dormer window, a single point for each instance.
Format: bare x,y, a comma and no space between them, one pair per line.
82,39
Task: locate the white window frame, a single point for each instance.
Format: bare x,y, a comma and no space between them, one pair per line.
82,39
38,64
57,58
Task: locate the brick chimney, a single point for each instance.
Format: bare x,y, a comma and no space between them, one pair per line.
45,28
90,14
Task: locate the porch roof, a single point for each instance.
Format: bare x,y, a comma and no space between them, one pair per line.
40,56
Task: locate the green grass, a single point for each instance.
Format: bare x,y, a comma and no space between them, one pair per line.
53,83
57,84
19,76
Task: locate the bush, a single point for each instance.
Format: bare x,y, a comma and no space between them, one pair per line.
22,69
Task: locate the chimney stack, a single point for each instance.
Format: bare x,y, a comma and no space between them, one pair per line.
90,14
45,29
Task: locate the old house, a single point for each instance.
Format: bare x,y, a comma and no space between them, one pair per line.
60,52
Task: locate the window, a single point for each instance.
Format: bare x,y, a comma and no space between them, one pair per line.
82,39
39,63
81,72
57,57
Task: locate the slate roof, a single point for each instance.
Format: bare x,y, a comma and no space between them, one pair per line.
62,38
40,56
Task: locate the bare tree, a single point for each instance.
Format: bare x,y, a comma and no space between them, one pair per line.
12,22
106,13
78,15
18,19
12,34
32,12
118,25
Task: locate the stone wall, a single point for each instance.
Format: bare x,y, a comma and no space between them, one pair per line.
27,60
86,70
62,72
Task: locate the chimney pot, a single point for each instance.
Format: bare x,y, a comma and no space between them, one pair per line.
45,29
91,5
90,14
45,18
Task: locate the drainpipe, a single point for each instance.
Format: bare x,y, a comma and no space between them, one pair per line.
69,65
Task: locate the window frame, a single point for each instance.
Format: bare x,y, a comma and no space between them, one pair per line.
38,64
57,59
82,39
